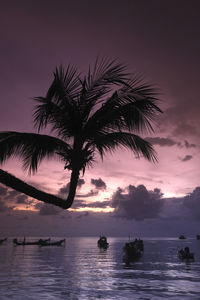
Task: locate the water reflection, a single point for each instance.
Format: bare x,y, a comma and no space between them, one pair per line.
81,270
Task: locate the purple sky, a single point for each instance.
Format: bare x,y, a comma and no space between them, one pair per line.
158,39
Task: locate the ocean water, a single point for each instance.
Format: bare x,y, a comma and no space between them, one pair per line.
80,270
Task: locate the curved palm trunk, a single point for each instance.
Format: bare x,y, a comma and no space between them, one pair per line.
21,186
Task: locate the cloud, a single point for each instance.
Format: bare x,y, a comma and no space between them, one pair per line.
169,142
183,208
98,183
80,182
184,128
65,188
192,202
22,199
163,142
97,204
150,179
173,209
188,145
138,203
12,194
3,190
78,204
3,199
182,119
186,158
4,207
83,214
49,209
90,194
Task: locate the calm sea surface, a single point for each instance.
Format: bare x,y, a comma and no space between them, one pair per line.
80,270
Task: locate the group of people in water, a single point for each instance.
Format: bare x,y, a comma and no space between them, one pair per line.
133,250
185,253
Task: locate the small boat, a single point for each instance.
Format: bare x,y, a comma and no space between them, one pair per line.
102,242
182,237
2,241
133,251
198,236
24,243
185,254
56,243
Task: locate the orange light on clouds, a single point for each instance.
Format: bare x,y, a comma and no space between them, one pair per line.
23,207
91,209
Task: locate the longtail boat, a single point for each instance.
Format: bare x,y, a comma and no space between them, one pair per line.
182,237
133,251
24,243
56,243
3,240
102,242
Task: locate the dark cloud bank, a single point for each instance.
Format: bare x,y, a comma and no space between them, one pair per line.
132,203
137,203
136,209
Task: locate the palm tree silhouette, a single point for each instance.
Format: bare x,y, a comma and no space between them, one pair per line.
98,112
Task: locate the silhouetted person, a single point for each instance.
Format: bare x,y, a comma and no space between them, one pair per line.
187,250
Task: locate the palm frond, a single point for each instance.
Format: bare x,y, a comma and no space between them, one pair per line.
109,142
30,147
99,82
107,71
105,74
66,84
129,108
61,120
43,112
60,98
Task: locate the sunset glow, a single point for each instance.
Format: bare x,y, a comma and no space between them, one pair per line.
121,188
